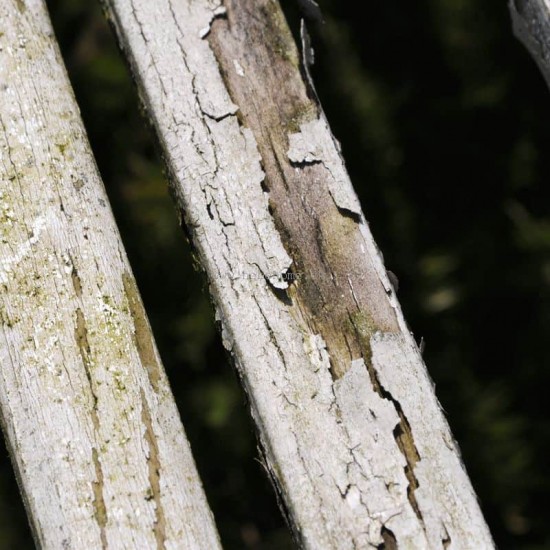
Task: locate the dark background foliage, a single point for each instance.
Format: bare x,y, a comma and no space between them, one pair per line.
444,123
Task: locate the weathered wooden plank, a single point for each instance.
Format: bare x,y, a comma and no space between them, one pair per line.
95,436
352,433
531,22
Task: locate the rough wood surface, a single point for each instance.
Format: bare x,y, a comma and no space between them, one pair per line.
351,431
95,436
531,22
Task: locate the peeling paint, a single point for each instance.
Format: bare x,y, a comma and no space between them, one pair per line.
314,144
220,11
238,68
263,187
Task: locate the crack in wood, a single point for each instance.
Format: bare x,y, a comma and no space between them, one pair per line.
154,466
142,335
99,499
390,541
81,336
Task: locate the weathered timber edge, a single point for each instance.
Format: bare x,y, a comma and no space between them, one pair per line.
95,436
351,431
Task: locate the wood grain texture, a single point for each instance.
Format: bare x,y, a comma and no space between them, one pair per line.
352,433
95,436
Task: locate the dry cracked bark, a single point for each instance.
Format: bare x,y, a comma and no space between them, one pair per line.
95,436
351,431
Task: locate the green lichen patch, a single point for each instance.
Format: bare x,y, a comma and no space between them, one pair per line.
62,147
300,114
364,327
278,31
